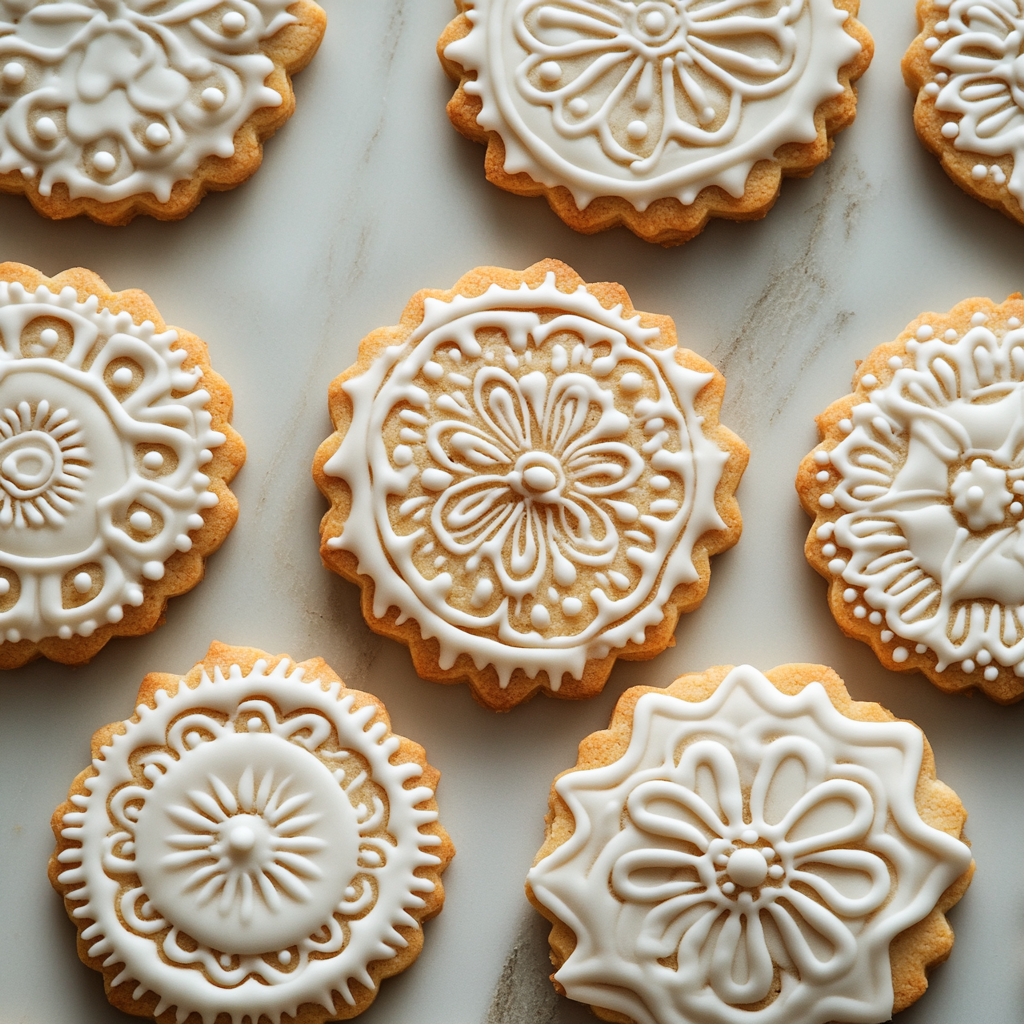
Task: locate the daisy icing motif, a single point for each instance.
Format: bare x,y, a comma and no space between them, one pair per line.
115,454
250,843
533,475
918,496
741,847
656,114
113,107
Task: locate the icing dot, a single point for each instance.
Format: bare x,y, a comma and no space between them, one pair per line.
991,673
49,337
942,28
65,633
572,606
967,665
141,521
402,455
631,382
13,73
636,130
849,595
825,531
900,654
950,130
225,960
540,617
931,43
195,521
951,335
895,363
887,635
157,134
152,460
122,377
660,483
875,618
984,657
578,106
869,380
768,853
233,22
707,115
115,613
747,868
655,22
978,319
212,98
433,371
860,611
979,172
836,566
942,78
153,570
1013,322
481,593
728,888
1015,508
822,458
103,161
776,871
241,838
13,635
253,725
5,585
827,501
46,129
284,957
822,477
924,332
846,426
550,71
83,582
931,89
828,550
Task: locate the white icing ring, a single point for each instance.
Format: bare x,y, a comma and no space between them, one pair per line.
264,821
539,465
114,102
930,478
100,461
650,100
685,879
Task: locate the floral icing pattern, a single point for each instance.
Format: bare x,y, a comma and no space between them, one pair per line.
536,474
651,99
247,846
979,47
114,98
927,487
749,839
103,437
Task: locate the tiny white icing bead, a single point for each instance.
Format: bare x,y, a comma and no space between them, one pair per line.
157,134
141,521
979,172
828,550
836,566
213,99
846,426
152,460
875,618
951,129
103,161
991,673
869,380
895,363
924,332
46,129
631,382
931,89
13,73
931,43
83,582
978,319
153,570
849,595
579,106
967,665
860,611
822,457
887,635
233,22
5,585
572,606
827,501
900,654
550,71
636,130
122,377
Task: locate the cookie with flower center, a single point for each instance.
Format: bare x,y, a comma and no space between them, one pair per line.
749,847
527,478
917,495
966,68
111,109
115,454
657,115
254,843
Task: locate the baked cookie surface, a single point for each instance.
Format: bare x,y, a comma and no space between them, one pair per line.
115,455
112,109
656,115
917,495
964,67
253,844
527,478
749,847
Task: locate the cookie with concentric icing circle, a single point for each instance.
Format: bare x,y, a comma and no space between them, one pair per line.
748,846
917,494
657,115
965,69
112,109
527,479
116,452
254,843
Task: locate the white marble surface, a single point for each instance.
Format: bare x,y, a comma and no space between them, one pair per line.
367,195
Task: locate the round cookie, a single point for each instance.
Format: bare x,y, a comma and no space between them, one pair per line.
965,69
111,109
253,843
527,478
115,456
740,847
917,495
656,115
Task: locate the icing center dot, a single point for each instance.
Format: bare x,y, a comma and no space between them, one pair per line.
747,867
980,494
241,838
29,469
541,476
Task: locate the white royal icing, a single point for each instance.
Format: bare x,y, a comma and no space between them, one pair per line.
248,846
562,457
748,838
100,461
114,98
980,46
654,99
930,474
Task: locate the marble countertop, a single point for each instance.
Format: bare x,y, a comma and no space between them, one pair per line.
367,195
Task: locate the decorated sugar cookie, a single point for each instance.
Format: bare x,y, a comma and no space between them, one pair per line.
527,478
657,115
917,494
113,108
965,67
254,843
115,456
753,848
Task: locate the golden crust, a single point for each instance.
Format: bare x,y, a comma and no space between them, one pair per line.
291,49
666,221
912,953
484,682
1006,688
184,569
918,71
223,656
